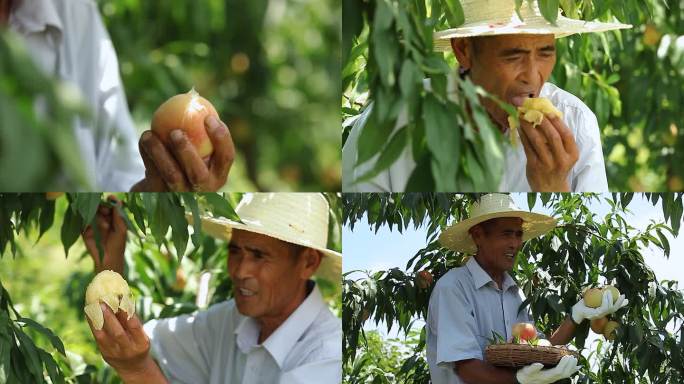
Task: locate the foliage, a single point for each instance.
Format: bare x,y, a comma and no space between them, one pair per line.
51,141
631,79
268,66
166,262
552,270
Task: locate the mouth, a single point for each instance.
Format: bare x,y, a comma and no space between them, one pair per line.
509,256
519,98
246,292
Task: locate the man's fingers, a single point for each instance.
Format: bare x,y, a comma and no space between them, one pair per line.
224,149
527,147
113,327
553,138
136,331
566,136
154,181
196,171
538,142
165,163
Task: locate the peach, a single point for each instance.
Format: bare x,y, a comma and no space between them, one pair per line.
609,330
524,332
187,112
597,325
593,297
424,279
614,291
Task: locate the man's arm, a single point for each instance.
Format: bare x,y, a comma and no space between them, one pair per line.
475,371
564,333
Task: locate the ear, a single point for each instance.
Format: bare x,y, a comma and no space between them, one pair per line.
310,261
476,233
463,49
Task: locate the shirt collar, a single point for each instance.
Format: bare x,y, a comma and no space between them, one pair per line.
482,278
281,342
31,16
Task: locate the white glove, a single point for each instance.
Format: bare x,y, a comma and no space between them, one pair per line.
534,374
581,311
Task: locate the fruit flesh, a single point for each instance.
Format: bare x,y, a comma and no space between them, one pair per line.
186,112
533,111
108,287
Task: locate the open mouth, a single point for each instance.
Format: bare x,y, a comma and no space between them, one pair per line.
519,99
246,292
510,256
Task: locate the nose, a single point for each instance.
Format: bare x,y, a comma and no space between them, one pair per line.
530,75
240,268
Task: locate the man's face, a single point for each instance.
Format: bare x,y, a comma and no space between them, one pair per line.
267,275
498,241
512,67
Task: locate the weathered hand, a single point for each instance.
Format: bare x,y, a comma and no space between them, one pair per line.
112,230
125,346
551,153
180,168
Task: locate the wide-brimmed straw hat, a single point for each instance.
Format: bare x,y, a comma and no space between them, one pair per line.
498,17
491,206
297,218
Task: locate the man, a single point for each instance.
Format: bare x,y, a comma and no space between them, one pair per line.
67,39
511,58
470,302
277,329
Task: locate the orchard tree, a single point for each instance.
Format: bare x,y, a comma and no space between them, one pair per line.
631,79
583,250
172,268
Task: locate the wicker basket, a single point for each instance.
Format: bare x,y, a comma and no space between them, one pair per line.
519,355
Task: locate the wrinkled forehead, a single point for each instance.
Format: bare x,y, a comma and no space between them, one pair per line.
521,41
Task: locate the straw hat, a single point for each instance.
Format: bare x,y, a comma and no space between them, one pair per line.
498,17
491,206
298,218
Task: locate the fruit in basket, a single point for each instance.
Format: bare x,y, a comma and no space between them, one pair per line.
598,325
593,297
523,332
609,330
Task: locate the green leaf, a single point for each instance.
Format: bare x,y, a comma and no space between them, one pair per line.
389,154
137,210
191,202
31,353
86,204
47,217
372,137
71,229
443,140
54,340
53,370
221,207
454,13
549,9
174,211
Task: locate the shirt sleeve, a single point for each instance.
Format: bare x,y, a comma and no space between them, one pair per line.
115,140
180,347
451,319
590,170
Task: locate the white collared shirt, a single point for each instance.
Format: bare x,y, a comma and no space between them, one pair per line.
220,346
67,39
587,175
466,306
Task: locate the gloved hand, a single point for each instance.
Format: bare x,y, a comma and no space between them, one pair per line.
534,374
581,311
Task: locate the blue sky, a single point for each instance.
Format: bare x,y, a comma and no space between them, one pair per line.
365,250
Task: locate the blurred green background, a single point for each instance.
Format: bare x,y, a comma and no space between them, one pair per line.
270,67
